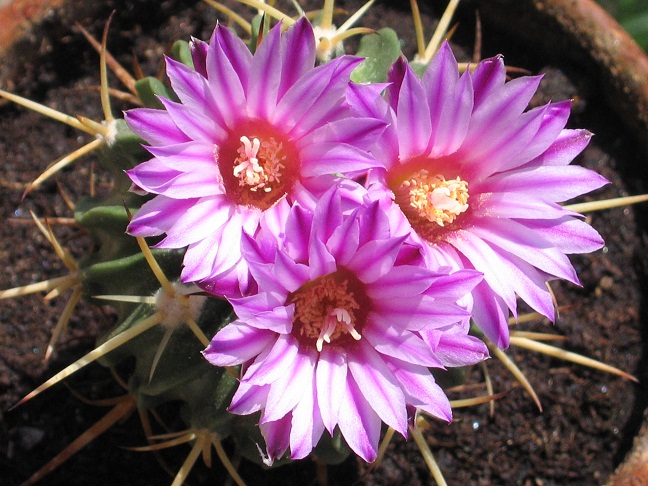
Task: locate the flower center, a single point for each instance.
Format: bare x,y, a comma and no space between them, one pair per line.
426,198
259,164
325,311
259,167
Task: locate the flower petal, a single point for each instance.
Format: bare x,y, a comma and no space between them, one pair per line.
290,387
378,385
236,343
359,424
271,367
154,126
420,388
330,376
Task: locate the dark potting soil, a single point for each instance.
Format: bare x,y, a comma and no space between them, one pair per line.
588,419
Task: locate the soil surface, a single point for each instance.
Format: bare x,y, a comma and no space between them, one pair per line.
588,420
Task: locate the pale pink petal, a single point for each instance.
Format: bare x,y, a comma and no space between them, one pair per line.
327,158
158,215
236,343
277,437
530,247
307,424
547,182
154,126
413,117
454,347
401,344
269,368
197,222
378,385
571,235
297,53
265,70
195,125
375,259
359,424
420,389
331,384
290,386
248,399
516,205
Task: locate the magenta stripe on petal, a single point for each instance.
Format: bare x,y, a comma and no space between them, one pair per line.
378,385
490,312
189,157
236,343
344,241
196,125
375,259
359,424
551,183
297,54
401,344
488,78
307,424
401,281
483,258
554,121
224,77
277,437
265,73
152,176
515,238
198,49
330,158
230,47
158,215
516,205
270,368
321,262
421,389
290,387
154,126
413,117
331,376
564,149
456,348
248,399
194,91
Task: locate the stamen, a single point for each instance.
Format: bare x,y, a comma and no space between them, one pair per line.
433,198
259,164
325,311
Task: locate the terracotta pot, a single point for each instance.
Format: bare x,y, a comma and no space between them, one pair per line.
17,15
580,31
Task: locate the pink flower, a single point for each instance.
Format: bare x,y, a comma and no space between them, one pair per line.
250,132
343,329
475,180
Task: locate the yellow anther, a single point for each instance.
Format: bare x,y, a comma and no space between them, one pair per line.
324,311
433,198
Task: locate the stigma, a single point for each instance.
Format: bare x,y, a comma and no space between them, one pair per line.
337,317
